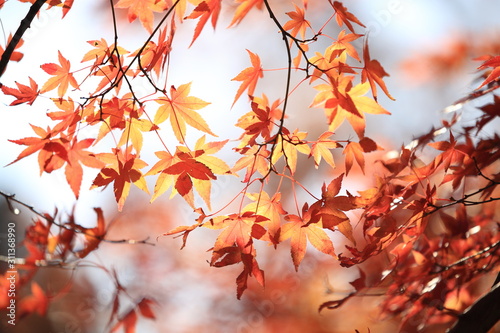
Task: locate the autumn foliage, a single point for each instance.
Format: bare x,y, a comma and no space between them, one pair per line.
427,214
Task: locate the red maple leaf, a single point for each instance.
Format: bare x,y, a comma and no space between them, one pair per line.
23,94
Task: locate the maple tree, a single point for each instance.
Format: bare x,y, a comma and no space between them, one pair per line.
427,215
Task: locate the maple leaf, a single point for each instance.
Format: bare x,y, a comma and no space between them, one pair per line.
249,76
164,180
332,63
321,149
298,23
180,108
343,101
300,229
76,155
239,230
93,236
343,42
134,126
23,94
102,52
373,72
450,153
205,10
113,114
493,62
355,150
215,164
270,208
255,159
122,169
37,302
154,56
62,77
343,16
259,121
15,56
112,74
288,144
67,115
128,321
243,9
235,244
53,152
333,208
187,169
142,9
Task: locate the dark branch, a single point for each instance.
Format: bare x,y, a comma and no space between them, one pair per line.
482,315
25,24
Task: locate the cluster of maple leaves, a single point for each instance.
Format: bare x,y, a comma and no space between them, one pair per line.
425,267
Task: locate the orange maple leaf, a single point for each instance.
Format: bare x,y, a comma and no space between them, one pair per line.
255,159
493,62
37,302
62,77
268,207
243,9
180,108
101,52
23,94
15,56
321,149
298,23
93,236
249,76
344,16
122,169
134,126
53,151
355,151
76,155
239,230
67,115
345,101
343,42
334,206
205,10
373,72
142,9
288,145
299,229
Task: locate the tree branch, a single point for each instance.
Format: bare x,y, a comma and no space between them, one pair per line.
481,316
25,24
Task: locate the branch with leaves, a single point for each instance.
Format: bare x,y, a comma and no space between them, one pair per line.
434,244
